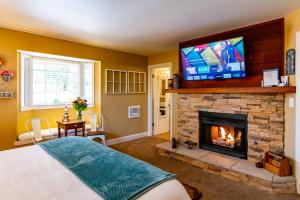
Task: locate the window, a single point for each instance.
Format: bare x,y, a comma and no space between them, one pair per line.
49,81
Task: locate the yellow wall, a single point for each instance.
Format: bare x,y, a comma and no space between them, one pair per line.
292,25
113,107
170,57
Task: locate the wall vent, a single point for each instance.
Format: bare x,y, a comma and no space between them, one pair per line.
134,111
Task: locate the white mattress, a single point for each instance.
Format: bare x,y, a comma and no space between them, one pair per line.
29,173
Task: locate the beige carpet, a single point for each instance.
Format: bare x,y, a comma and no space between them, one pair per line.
213,187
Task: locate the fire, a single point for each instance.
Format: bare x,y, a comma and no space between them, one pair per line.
223,133
223,136
230,138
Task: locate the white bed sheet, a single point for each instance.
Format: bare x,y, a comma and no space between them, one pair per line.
29,173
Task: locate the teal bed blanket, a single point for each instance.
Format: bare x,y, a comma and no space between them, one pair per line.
111,174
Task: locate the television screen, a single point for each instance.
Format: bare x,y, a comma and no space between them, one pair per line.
215,60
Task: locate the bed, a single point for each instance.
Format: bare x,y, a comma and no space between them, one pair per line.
53,170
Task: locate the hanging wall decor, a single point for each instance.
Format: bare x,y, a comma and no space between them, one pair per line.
5,80
290,62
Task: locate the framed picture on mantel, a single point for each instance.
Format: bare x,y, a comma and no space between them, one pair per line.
271,77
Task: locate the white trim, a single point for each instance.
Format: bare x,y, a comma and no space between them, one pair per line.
54,56
47,107
297,110
79,61
126,138
150,102
108,142
134,115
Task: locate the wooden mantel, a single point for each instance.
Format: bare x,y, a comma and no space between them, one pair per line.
234,90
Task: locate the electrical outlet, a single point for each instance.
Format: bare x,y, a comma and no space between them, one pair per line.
291,102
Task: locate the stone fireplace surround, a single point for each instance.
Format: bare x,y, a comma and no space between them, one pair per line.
265,118
265,115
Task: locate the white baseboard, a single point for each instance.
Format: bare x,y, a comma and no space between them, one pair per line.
108,142
126,138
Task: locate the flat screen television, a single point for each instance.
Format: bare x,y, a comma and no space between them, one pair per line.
215,60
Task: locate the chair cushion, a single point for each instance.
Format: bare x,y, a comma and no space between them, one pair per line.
88,126
44,133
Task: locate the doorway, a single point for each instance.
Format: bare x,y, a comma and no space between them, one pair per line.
159,108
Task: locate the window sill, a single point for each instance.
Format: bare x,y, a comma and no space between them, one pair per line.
51,107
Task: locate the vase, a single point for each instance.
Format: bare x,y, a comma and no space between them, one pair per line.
176,81
170,83
79,115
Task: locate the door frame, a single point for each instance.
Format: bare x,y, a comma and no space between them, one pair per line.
150,99
297,117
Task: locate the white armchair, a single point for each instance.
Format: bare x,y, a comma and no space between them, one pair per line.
35,132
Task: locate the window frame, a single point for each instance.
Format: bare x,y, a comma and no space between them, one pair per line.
51,56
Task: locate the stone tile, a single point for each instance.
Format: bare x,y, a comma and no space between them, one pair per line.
249,168
219,160
283,179
241,171
194,153
166,146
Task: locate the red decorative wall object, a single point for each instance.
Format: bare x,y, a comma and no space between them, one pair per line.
264,49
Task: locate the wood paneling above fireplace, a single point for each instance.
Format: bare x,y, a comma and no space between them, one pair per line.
264,49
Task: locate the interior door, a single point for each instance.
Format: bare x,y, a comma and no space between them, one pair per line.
161,101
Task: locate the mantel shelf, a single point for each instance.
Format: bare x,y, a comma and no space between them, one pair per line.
234,90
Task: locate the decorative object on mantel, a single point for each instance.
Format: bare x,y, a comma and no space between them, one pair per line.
277,164
284,81
176,81
270,77
290,61
174,143
66,115
170,83
190,144
80,105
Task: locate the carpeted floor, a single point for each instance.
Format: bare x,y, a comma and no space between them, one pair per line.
212,186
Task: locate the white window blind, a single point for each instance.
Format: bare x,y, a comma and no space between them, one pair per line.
53,82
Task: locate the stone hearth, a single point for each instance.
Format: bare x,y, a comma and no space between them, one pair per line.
230,167
265,118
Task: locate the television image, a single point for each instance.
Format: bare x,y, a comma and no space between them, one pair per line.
215,60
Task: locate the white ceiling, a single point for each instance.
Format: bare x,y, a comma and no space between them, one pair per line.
144,27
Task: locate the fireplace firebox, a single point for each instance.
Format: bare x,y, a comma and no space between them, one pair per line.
223,133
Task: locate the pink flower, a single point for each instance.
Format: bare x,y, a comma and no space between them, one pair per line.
7,72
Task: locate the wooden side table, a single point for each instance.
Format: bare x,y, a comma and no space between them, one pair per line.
73,124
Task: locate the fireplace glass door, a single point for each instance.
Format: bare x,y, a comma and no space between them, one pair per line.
223,133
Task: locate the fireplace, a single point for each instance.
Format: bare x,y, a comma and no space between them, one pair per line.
223,133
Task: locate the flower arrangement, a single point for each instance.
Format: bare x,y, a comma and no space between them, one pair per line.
80,105
6,75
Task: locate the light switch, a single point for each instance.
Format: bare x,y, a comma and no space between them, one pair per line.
291,102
